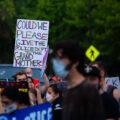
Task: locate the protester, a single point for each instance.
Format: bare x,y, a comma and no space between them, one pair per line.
23,100
43,88
107,88
29,72
20,76
30,82
54,96
12,99
81,101
46,84
111,107
29,79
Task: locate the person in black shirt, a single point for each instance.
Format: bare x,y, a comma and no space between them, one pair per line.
54,97
110,89
81,100
111,107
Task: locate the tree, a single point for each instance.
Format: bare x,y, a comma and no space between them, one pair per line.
69,19
7,13
106,24
105,28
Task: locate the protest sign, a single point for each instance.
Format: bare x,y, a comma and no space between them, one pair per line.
44,64
21,86
113,81
31,43
40,112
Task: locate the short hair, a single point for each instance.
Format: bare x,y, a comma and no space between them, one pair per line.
92,71
23,98
19,73
13,94
101,65
55,89
31,79
73,51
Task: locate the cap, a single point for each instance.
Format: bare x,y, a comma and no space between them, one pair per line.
90,70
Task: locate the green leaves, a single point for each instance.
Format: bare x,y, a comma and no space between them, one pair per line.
69,19
7,10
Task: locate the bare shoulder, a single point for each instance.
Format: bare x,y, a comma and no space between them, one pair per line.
116,94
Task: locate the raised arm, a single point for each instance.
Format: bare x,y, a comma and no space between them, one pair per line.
46,83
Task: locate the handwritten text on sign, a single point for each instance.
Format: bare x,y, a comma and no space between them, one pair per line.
31,43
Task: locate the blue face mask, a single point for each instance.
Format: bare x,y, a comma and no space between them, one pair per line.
10,109
59,69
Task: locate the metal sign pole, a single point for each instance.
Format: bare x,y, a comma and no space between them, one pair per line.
90,22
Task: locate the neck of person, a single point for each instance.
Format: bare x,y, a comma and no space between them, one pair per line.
74,79
104,85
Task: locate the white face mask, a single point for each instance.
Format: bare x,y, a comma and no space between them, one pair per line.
29,75
11,108
49,97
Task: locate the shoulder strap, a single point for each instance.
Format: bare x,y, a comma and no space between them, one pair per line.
110,89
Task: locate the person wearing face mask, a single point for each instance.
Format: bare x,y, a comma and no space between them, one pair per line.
81,99
54,97
43,88
110,104
13,100
29,72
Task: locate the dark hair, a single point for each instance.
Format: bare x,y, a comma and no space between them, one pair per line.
23,98
92,71
83,103
73,51
30,78
101,66
19,73
13,94
10,92
55,89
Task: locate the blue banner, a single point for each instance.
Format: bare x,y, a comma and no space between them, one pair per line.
40,112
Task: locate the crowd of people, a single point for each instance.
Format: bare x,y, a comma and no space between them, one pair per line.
77,91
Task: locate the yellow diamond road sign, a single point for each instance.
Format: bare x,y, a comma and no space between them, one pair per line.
92,53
